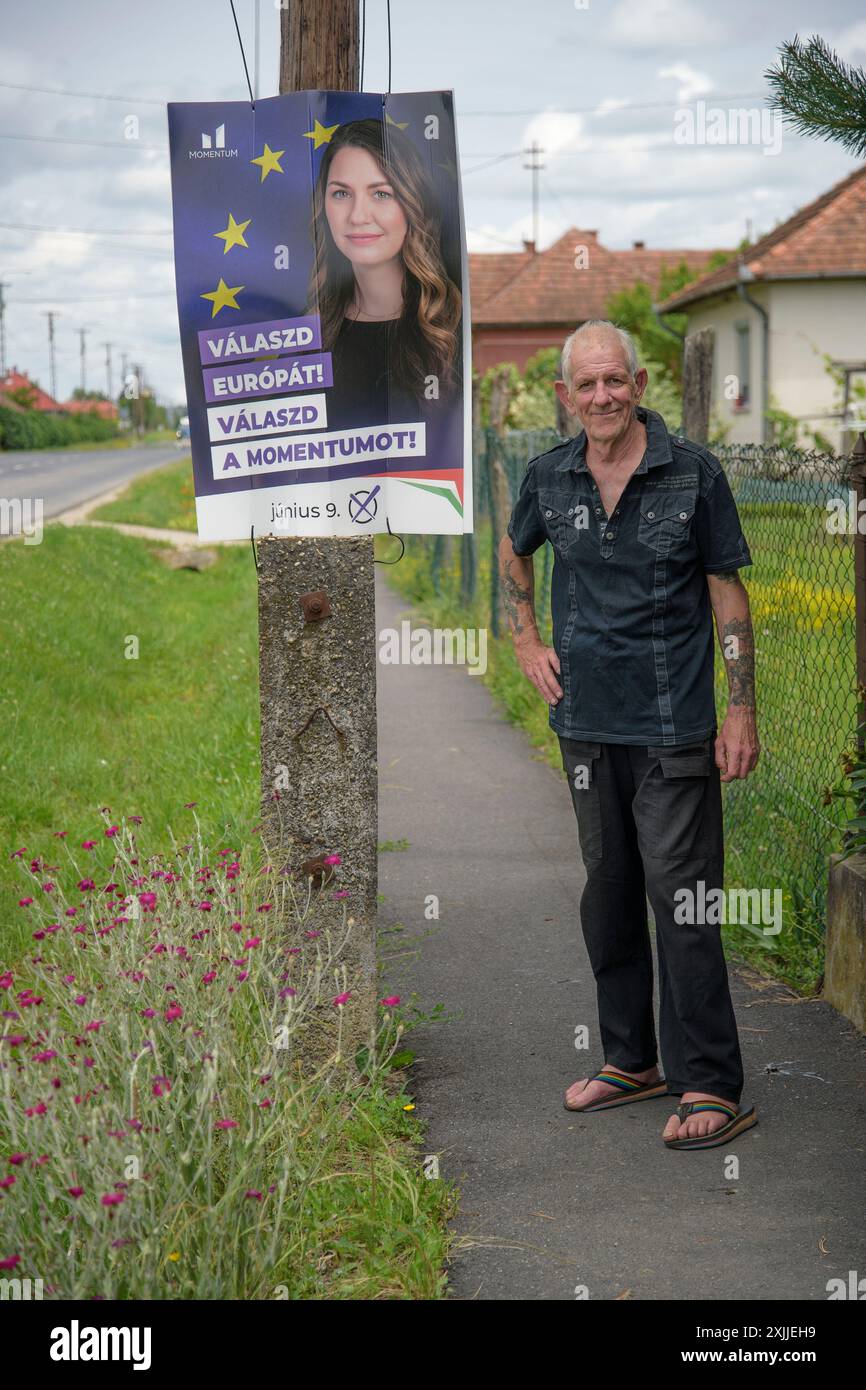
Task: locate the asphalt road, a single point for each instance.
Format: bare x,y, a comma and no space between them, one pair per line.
65,478
552,1202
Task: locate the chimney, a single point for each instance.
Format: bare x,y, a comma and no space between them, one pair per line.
638,245
529,245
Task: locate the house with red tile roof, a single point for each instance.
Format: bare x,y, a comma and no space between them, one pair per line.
525,300
40,400
779,311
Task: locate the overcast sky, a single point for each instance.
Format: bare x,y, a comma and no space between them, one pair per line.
597,82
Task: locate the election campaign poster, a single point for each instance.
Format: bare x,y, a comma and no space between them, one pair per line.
323,300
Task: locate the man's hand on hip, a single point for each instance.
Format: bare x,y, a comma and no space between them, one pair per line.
540,664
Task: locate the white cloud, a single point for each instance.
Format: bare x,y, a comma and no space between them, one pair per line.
554,130
661,24
692,83
610,104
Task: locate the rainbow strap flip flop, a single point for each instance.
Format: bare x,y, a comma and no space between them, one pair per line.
630,1089
739,1120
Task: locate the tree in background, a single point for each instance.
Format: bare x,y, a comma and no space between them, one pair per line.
819,94
79,395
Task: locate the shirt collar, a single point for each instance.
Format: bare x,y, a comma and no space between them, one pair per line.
658,445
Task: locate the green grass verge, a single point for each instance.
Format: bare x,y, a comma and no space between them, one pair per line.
164,497
86,722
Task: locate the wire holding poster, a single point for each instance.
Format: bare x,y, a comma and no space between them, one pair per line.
322,289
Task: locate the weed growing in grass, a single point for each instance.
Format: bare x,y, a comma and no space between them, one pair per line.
160,1135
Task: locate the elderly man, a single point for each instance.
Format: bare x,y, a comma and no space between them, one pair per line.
646,540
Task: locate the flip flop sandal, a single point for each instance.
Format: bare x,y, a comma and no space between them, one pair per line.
631,1090
739,1121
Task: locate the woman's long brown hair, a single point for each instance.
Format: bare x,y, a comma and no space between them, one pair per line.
426,340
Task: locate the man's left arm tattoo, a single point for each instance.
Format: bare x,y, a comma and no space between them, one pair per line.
736,637
738,647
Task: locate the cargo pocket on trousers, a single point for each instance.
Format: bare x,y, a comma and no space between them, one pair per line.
689,761
580,762
674,797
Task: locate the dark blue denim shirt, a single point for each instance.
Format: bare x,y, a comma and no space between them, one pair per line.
632,621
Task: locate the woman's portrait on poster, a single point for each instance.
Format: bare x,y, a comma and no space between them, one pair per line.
390,312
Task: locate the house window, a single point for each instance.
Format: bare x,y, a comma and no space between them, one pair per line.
744,374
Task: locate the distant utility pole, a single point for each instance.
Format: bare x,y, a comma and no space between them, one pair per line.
82,332
51,315
317,661
534,150
3,286
108,384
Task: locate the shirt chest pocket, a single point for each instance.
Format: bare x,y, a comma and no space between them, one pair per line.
665,522
565,520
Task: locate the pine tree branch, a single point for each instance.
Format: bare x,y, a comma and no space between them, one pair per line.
819,94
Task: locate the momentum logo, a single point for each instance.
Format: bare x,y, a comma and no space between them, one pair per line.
75,1343
213,146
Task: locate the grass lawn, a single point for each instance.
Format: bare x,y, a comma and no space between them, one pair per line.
84,723
165,498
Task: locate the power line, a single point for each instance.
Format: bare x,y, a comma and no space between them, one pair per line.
93,96
86,231
97,298
494,159
96,144
627,106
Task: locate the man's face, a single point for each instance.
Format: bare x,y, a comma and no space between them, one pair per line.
603,393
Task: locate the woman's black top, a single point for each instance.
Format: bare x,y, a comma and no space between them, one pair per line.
364,390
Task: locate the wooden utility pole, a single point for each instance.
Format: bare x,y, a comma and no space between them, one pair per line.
697,385
317,666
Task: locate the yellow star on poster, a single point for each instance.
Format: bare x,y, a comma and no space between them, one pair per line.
223,297
401,125
269,161
449,166
234,233
320,134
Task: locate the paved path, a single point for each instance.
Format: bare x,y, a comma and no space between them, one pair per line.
552,1200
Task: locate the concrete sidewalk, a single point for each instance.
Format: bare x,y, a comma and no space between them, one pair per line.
551,1200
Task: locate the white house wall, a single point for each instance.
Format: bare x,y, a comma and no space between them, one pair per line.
807,319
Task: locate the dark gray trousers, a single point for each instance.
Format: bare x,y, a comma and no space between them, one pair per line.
650,825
